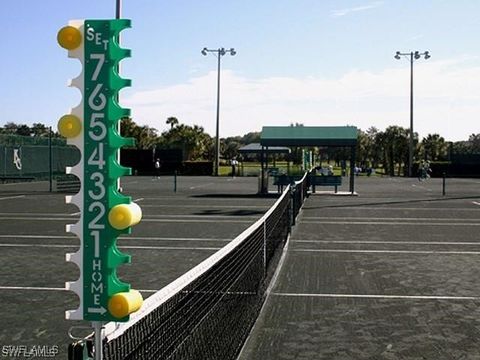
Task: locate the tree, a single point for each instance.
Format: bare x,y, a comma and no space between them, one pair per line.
374,149
39,129
249,138
474,141
470,146
192,140
10,128
145,136
394,142
363,146
231,149
172,121
433,147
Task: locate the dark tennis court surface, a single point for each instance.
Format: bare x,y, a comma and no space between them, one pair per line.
178,230
393,273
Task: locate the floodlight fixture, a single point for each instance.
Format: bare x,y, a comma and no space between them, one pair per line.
412,56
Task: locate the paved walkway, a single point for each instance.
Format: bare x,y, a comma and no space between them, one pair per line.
390,274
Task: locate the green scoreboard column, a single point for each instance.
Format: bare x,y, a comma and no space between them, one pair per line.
104,212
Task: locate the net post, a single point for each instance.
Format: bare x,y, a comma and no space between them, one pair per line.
265,249
98,343
292,205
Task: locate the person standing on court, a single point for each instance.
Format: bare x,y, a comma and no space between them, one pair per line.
234,164
157,168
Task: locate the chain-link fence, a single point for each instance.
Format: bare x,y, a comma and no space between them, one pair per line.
35,157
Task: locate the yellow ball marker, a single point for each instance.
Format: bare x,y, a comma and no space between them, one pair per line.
124,215
69,37
125,303
69,126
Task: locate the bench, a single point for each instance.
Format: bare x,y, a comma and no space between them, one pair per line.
284,180
273,171
329,180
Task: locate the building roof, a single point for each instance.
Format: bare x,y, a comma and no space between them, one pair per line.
256,148
308,136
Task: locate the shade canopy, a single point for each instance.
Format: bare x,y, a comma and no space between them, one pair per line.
256,148
309,136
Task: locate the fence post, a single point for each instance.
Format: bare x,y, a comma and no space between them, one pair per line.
175,181
50,160
443,183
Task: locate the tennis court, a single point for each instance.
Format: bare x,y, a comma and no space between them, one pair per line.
389,274
178,231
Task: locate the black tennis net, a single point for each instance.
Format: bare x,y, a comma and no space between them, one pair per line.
208,312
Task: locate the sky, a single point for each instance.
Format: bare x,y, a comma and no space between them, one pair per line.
314,62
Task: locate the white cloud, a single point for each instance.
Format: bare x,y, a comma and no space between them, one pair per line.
446,100
343,12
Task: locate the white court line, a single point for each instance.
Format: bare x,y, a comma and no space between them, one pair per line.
40,288
34,218
475,203
206,216
210,206
139,199
388,251
388,223
333,218
199,220
153,238
171,238
170,248
31,288
421,187
120,246
201,198
200,186
38,236
37,214
38,245
214,220
386,242
12,197
367,296
166,216
383,208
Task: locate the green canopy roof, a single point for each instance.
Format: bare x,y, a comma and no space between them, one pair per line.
309,136
256,148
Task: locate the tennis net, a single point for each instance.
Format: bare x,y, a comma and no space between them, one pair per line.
209,311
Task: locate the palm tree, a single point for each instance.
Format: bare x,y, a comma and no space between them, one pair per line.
172,121
434,147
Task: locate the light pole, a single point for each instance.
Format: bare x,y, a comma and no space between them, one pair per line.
219,53
412,57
